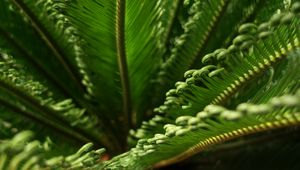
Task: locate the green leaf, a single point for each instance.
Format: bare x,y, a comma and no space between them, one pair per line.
141,51
204,31
36,13
22,152
214,125
236,68
57,34
96,22
29,98
82,71
14,40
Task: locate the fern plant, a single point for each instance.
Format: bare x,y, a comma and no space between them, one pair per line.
185,84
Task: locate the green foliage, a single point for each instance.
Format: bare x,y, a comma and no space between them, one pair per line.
81,71
21,152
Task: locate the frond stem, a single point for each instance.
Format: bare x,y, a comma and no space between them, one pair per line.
121,49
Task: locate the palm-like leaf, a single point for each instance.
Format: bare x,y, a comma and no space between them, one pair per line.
138,49
88,71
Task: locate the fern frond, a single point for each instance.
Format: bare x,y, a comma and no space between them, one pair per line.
206,24
14,41
22,153
96,23
144,54
15,38
36,13
25,96
85,71
214,84
214,125
277,149
57,28
179,104
141,51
